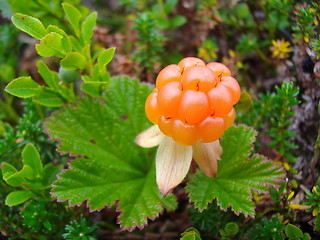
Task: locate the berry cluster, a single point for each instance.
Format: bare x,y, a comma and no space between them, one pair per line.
193,101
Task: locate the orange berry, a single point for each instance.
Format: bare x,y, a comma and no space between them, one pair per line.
184,134
211,129
171,73
188,62
220,101
151,107
199,78
166,125
193,101
233,86
169,98
229,119
193,106
219,69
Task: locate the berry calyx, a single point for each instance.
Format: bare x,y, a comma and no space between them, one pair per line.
193,101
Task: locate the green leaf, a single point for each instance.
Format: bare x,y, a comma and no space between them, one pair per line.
18,178
231,229
238,175
7,72
31,157
18,197
104,58
7,170
30,25
190,234
178,21
306,236
23,87
75,43
47,75
87,27
65,40
73,61
169,5
73,16
50,173
93,89
293,232
51,45
245,102
115,169
48,98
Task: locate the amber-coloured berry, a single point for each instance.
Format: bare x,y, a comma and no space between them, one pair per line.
229,118
171,73
184,133
233,87
199,78
151,107
188,62
169,99
211,129
220,100
193,107
166,125
219,69
193,101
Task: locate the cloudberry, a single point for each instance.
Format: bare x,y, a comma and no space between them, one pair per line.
193,101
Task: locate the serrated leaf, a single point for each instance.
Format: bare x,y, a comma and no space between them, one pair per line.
31,157
30,25
238,175
17,197
73,16
114,168
104,58
87,27
73,61
51,45
48,98
23,87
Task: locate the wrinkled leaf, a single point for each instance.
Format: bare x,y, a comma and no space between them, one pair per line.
238,175
114,168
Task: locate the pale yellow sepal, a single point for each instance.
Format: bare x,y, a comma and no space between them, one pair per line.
206,156
150,137
298,206
172,164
